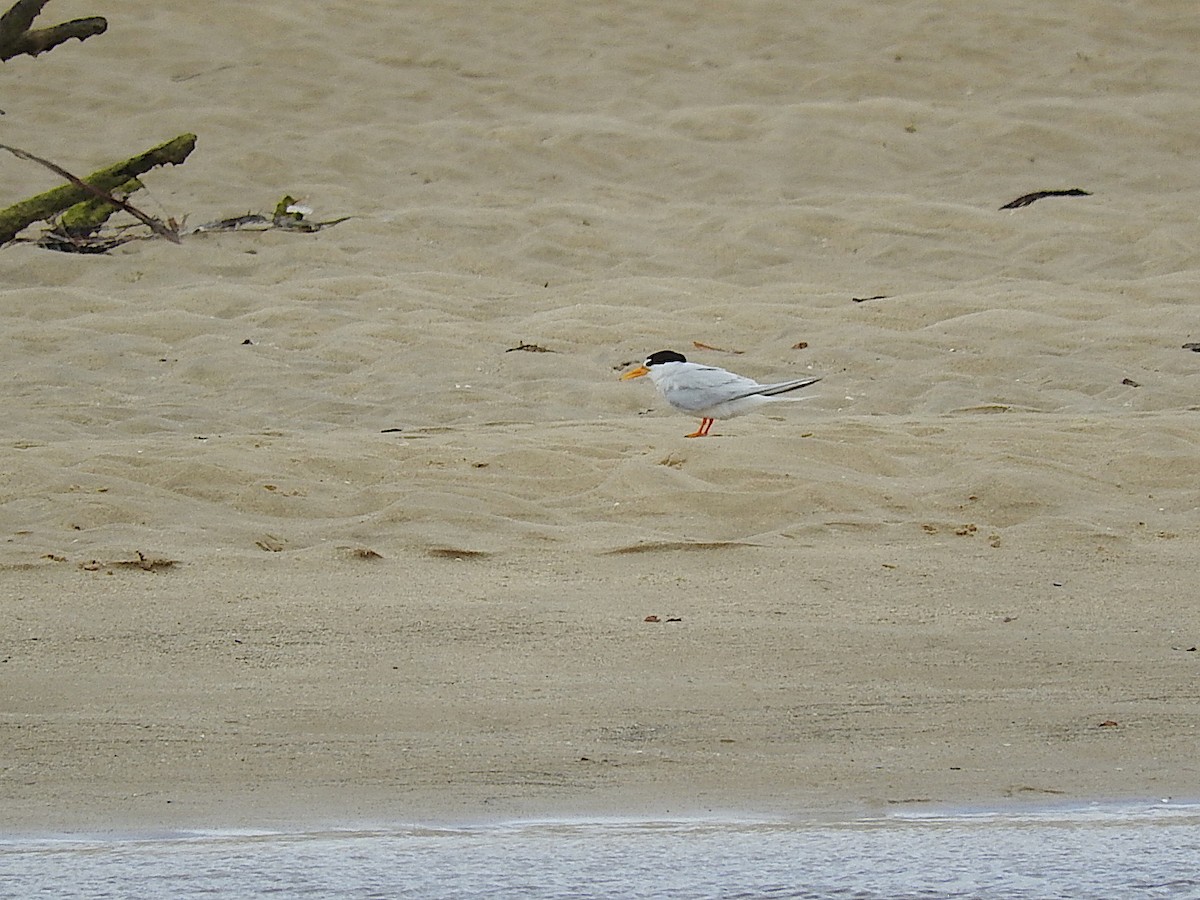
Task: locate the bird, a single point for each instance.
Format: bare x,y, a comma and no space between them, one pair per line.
707,391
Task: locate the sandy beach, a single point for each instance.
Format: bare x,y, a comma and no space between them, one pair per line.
363,526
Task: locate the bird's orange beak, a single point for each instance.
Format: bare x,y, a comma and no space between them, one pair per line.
636,373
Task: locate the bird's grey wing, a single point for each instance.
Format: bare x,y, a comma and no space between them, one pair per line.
781,387
707,386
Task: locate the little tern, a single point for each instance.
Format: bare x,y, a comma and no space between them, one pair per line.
707,391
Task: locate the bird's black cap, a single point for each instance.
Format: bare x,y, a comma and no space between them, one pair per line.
664,356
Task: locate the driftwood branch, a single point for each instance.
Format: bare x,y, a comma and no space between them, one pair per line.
18,37
99,184
85,218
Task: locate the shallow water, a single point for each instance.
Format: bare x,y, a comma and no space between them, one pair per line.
1098,851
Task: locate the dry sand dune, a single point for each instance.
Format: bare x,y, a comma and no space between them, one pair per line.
411,563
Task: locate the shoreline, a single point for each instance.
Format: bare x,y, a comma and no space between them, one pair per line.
1076,811
431,688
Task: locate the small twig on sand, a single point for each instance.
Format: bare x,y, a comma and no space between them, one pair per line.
702,346
530,348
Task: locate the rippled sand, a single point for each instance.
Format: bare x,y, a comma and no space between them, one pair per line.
287,515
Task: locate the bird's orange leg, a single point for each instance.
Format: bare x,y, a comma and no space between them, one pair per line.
702,431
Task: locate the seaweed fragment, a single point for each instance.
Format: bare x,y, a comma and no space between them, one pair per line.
1026,199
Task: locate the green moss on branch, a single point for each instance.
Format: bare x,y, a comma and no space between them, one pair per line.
45,206
18,37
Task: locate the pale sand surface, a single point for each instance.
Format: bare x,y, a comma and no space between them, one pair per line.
931,582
